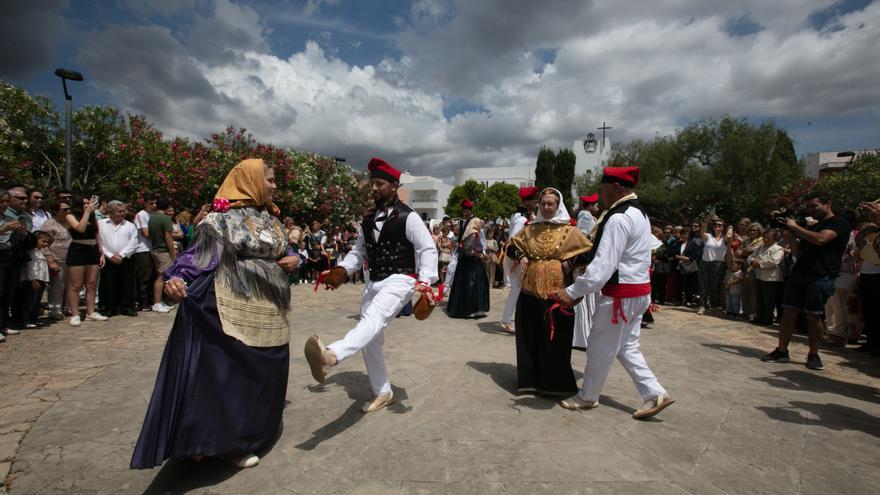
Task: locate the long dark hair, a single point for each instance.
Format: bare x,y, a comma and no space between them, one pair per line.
77,208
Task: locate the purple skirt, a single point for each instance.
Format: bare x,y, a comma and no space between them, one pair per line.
214,395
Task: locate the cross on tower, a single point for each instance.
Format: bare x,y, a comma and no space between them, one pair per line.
603,129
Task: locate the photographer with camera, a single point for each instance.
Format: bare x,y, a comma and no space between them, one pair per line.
818,249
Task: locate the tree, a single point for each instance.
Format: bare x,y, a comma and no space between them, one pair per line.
499,201
586,183
564,172
859,182
728,166
471,190
545,168
30,142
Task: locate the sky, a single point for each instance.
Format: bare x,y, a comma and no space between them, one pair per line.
437,85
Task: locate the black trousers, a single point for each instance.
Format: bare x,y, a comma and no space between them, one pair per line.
869,295
658,287
144,273
767,300
10,271
118,285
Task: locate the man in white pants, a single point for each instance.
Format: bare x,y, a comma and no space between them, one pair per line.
401,260
529,198
619,269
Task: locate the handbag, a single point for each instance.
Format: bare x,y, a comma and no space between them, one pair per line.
689,266
662,267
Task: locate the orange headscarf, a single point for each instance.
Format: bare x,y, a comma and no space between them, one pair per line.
245,185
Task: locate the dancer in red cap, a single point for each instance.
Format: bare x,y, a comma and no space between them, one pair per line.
583,311
621,257
401,259
513,275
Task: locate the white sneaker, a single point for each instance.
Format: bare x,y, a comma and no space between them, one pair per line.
2,338
96,317
10,331
161,308
75,321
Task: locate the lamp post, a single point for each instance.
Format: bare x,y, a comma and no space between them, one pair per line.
66,74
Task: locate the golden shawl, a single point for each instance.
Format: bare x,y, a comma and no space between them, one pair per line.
547,245
245,185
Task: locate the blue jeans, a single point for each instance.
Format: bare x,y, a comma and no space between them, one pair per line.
733,304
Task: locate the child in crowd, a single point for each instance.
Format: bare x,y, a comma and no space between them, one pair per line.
733,282
35,277
304,267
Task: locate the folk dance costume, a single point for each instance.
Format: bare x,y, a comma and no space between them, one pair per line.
512,273
543,328
401,258
583,311
469,296
618,268
222,382
468,205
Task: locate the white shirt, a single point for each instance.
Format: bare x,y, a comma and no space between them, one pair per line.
37,268
714,249
769,258
517,222
416,233
585,222
121,239
141,221
38,218
625,246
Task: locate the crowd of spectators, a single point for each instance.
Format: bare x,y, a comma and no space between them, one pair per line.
62,252
750,271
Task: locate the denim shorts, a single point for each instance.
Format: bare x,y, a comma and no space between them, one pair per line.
807,293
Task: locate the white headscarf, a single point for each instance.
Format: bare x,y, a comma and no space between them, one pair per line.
561,216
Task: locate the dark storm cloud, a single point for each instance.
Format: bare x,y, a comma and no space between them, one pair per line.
147,68
29,32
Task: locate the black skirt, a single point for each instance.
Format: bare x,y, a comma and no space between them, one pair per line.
543,365
470,288
214,395
82,254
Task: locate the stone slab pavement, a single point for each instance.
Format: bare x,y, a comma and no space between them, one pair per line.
72,401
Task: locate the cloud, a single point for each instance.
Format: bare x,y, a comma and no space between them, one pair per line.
521,74
147,70
165,8
29,33
313,6
233,29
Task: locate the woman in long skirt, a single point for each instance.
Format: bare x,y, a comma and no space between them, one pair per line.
547,250
469,296
222,382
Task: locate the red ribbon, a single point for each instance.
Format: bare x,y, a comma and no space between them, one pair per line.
548,316
619,291
435,298
320,280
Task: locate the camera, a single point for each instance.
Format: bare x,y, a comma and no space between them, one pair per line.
778,218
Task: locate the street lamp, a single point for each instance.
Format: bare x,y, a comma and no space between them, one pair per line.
66,74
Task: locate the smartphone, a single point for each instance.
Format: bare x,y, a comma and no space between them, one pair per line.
95,199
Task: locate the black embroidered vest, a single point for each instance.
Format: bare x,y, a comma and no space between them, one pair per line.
620,208
393,253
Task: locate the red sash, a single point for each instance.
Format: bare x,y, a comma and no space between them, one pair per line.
619,291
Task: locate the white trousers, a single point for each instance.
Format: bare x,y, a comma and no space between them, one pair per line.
516,278
583,317
621,340
381,302
450,272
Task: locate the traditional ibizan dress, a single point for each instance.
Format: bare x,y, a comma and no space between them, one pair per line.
470,288
222,381
544,331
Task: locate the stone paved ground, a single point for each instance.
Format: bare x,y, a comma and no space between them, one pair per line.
72,402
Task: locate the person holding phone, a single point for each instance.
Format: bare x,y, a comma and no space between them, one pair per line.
84,258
